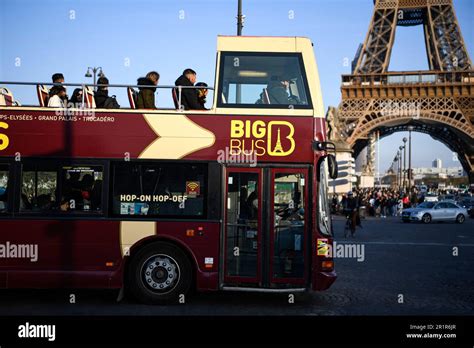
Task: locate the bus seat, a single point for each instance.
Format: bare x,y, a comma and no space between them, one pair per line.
266,98
224,101
89,101
6,97
175,98
132,97
43,95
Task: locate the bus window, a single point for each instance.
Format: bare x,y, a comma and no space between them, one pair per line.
263,80
3,188
242,224
289,215
164,189
81,189
38,191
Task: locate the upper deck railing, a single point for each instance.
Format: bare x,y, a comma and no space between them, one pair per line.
409,78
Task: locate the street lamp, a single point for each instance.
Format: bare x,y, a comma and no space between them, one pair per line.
404,162
240,18
401,166
410,179
396,168
94,71
240,25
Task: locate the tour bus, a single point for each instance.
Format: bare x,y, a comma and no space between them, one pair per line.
157,202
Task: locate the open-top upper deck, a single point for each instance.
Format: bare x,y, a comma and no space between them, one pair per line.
244,116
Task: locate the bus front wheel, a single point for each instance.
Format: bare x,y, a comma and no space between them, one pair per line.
160,273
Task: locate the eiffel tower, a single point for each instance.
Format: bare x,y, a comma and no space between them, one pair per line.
438,102
278,148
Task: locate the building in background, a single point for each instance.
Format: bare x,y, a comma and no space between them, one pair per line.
437,163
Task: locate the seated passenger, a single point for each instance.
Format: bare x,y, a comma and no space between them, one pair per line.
57,97
278,91
146,95
58,78
76,99
64,205
189,96
44,202
101,96
202,94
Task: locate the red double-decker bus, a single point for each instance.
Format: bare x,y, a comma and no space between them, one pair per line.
160,201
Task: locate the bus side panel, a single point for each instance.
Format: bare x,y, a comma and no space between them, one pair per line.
203,246
61,253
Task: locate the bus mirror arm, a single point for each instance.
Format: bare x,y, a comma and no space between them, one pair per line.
324,146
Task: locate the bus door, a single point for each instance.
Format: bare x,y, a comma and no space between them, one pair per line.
243,225
266,227
289,230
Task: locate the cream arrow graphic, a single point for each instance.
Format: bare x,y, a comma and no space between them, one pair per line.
178,137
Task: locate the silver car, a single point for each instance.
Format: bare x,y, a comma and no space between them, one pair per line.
435,211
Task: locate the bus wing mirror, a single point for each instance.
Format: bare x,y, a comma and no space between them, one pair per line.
323,146
332,167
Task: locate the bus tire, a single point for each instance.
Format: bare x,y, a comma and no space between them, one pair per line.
160,273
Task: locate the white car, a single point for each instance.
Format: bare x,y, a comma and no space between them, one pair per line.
432,211
431,198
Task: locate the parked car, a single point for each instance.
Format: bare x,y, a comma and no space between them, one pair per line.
432,211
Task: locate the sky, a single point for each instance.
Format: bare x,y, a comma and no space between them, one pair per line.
129,38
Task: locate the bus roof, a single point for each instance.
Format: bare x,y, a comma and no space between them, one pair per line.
291,44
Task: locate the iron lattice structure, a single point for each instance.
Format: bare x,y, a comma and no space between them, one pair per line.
443,39
439,102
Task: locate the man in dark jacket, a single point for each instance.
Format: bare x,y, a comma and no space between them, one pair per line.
101,96
189,96
102,93
146,95
277,90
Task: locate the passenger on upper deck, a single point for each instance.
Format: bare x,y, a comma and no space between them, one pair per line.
202,94
58,78
146,95
57,97
101,96
189,96
76,99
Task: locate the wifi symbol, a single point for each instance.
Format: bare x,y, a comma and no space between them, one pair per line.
193,185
